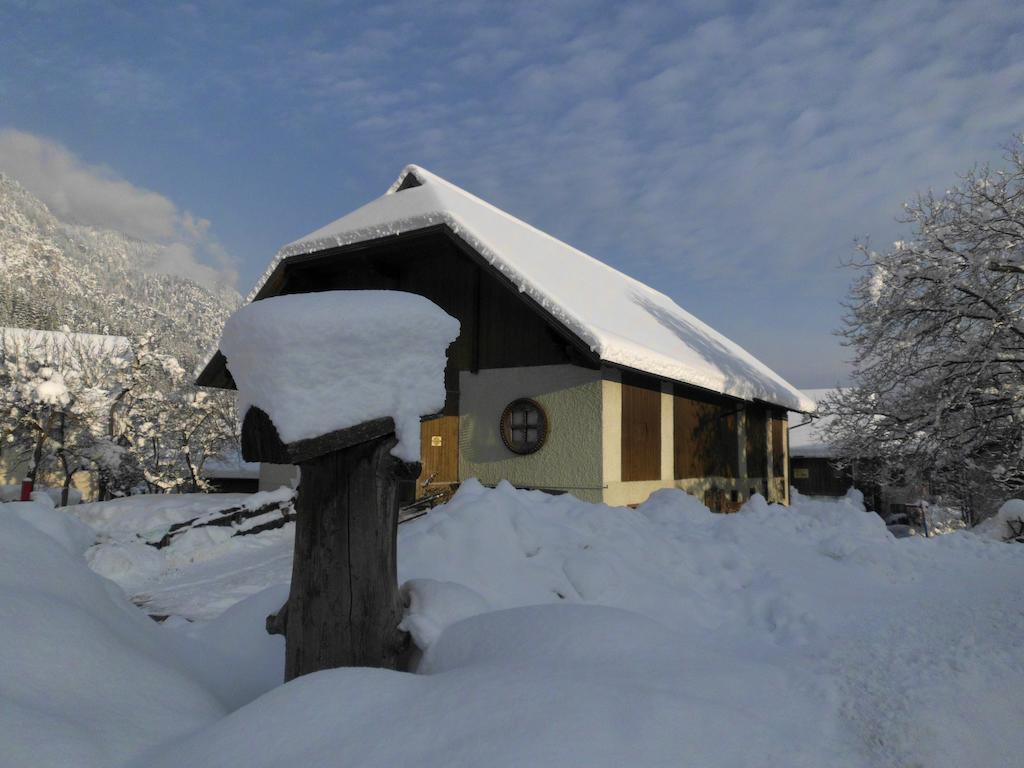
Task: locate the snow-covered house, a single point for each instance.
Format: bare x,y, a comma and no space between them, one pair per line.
812,471
567,376
230,474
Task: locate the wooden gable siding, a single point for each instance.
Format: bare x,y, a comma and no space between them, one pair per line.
641,428
704,435
757,441
497,328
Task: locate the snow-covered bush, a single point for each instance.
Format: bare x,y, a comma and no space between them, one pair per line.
1008,522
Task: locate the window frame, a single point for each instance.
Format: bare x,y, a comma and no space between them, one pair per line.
505,426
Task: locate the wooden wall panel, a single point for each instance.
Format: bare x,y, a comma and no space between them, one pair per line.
780,423
757,441
705,438
641,428
814,476
497,328
511,333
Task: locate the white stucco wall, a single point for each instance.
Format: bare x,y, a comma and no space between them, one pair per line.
571,458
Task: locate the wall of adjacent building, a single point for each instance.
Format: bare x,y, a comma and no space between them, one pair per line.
12,472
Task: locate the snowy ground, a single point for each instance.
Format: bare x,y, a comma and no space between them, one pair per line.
554,633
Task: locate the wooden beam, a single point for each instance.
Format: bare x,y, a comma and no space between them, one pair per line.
261,441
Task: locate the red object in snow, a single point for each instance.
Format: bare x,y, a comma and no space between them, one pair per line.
26,490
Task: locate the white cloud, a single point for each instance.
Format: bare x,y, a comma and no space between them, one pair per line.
87,194
714,149
744,145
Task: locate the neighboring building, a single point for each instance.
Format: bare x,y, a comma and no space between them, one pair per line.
567,376
811,459
231,475
813,470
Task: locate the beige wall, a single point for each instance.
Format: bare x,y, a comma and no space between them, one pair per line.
571,457
582,454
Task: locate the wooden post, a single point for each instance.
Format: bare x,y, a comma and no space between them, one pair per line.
343,607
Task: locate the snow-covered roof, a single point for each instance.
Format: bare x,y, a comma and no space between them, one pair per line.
623,321
231,466
15,340
807,440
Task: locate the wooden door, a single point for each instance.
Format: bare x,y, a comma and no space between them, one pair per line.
439,454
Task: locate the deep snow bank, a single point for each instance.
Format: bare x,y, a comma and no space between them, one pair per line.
550,685
85,678
775,571
557,632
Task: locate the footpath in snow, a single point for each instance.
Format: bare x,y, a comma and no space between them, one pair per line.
553,633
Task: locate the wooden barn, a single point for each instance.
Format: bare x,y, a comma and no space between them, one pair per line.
567,376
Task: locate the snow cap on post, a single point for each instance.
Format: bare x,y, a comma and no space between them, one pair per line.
316,363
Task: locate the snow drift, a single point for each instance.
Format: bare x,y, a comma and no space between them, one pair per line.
553,632
87,679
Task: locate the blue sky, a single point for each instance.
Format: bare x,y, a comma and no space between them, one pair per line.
726,153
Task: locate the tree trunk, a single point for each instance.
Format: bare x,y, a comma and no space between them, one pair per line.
343,608
64,462
37,455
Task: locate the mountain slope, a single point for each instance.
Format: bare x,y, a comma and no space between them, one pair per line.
94,280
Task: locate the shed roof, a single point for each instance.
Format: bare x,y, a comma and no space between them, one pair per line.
623,321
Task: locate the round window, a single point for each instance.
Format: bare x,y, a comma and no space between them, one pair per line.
524,426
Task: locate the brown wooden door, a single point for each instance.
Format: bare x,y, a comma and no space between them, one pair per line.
439,454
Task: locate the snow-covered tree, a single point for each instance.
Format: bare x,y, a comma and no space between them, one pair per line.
169,426
127,412
936,324
55,389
